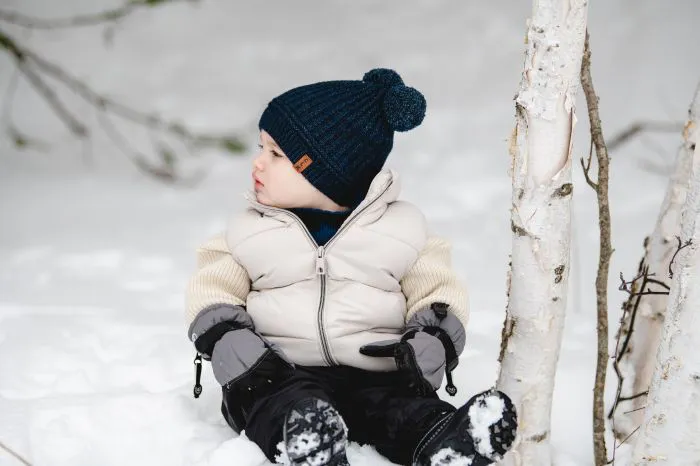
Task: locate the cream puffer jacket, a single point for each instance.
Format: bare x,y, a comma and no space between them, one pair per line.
320,304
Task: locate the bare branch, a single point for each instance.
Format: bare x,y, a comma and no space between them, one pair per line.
92,19
587,167
9,99
17,456
646,293
629,436
167,172
20,55
71,122
601,189
657,282
137,158
634,397
620,350
641,408
678,249
150,121
643,126
36,68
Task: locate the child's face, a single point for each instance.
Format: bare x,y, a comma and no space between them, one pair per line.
277,183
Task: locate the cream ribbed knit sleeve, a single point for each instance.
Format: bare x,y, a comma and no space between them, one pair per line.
219,279
432,279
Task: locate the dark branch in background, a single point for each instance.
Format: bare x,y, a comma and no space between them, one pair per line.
601,283
19,139
92,19
678,249
643,126
620,350
17,456
636,293
36,69
634,397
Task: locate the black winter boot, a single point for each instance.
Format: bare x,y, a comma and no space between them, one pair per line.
315,434
477,434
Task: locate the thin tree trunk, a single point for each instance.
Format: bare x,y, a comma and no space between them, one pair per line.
670,434
643,318
541,220
601,282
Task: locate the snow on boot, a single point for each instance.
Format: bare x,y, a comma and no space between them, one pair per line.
315,434
477,434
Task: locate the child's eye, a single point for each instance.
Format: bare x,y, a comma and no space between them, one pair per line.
276,154
260,146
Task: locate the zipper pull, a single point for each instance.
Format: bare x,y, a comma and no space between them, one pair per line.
197,375
450,387
321,261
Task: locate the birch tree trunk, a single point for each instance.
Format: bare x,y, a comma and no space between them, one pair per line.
640,331
671,431
541,220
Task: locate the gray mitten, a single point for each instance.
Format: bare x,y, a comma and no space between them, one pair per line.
428,350
419,357
239,355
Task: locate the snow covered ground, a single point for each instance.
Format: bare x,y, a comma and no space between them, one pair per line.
95,366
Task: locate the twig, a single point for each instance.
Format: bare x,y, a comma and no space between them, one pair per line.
634,397
636,409
658,282
32,64
124,111
601,189
8,100
11,452
643,273
646,293
678,249
21,57
92,19
629,436
620,351
167,172
72,123
587,167
138,159
643,126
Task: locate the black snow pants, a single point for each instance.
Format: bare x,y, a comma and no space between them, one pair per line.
375,406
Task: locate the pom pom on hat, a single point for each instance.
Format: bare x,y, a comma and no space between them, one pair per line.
404,107
338,134
383,77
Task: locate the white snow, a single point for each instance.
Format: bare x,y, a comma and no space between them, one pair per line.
486,411
95,364
448,457
303,443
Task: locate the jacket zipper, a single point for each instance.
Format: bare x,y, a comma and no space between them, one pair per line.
321,265
321,272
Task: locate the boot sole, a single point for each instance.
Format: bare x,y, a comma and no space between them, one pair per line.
471,424
315,434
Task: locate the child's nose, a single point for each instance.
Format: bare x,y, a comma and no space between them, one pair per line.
258,163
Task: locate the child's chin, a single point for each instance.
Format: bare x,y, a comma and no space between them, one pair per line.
264,200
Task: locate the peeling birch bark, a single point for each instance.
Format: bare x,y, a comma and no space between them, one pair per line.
670,434
541,220
637,363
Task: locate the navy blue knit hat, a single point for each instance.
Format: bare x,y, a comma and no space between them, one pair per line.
338,134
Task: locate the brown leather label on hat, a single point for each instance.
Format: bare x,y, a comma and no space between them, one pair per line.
303,163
